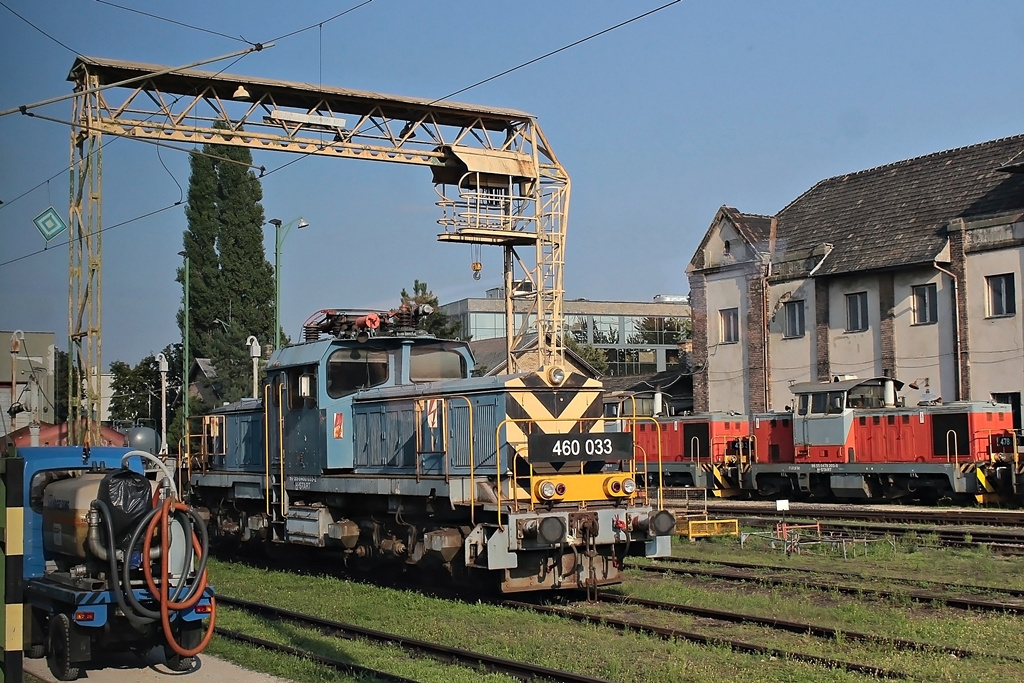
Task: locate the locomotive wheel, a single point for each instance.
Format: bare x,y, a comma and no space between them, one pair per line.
58,659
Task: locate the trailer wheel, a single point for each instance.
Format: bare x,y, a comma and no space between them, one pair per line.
176,662
58,659
36,651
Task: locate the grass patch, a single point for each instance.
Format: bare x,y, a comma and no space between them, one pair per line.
542,639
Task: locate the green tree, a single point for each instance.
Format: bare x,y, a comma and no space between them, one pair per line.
438,323
231,294
597,358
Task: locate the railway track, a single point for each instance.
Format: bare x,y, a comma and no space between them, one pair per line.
330,662
1003,590
800,627
735,645
520,670
896,514
1004,542
955,602
524,671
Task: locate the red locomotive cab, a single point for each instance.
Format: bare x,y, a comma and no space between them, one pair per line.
772,437
846,421
993,436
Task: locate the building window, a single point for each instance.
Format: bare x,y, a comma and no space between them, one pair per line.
926,308
857,312
729,325
606,329
1002,300
794,318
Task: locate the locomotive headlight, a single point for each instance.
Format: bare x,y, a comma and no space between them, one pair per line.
546,489
556,376
629,486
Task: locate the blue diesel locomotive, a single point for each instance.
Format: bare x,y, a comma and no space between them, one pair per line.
373,441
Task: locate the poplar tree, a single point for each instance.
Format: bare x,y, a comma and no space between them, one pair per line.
232,286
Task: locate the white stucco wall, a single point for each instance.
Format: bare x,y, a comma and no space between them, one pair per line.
854,353
714,249
727,362
792,359
996,344
925,351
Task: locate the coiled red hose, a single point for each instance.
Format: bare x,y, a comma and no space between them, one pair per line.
161,524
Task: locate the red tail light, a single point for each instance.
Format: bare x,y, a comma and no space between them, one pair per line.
204,609
85,616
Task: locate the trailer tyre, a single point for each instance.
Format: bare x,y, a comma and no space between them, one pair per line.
58,659
178,663
36,651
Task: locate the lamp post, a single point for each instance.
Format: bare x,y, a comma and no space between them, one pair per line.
280,233
185,360
254,353
161,359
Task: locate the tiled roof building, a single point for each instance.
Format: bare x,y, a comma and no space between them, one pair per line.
909,269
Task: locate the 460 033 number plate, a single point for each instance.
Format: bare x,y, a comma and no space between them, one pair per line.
580,447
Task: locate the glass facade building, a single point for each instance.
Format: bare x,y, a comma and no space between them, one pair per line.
637,337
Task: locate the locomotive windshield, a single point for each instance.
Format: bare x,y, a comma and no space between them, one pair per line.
436,362
822,403
349,370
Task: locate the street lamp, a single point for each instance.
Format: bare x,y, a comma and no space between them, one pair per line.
185,359
280,233
254,353
162,360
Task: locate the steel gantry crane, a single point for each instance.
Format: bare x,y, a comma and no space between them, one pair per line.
498,181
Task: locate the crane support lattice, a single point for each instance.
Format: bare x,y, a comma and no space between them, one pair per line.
498,181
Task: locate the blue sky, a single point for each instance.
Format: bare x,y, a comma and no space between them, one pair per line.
658,124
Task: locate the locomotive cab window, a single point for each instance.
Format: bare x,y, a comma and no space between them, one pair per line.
436,362
349,370
301,388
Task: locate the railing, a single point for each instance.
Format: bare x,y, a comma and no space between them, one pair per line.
956,447
267,405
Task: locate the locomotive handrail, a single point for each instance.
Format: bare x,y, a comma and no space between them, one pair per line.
280,442
266,440
472,460
695,453
752,450
724,439
643,452
661,475
956,446
280,445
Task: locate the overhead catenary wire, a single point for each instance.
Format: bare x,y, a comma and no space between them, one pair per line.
498,75
109,227
63,45
175,22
